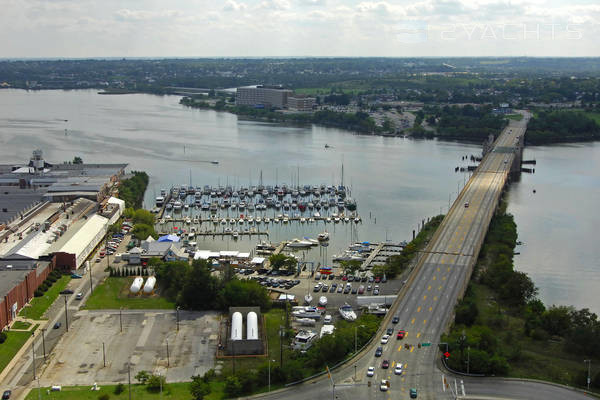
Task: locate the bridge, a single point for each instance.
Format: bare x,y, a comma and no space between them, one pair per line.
425,305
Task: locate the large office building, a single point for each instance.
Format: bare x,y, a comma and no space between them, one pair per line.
262,96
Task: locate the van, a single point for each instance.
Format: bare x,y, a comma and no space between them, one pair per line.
318,276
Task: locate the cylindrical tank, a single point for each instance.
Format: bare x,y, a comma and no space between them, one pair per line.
236,326
149,285
252,326
136,286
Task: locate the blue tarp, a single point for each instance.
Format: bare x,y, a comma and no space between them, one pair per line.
168,238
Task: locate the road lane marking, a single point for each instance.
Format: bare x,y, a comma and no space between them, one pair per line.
412,348
419,334
434,298
425,297
444,278
430,308
438,268
400,348
440,288
429,287
434,278
424,321
419,309
413,321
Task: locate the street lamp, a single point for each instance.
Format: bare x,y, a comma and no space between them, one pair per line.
270,373
33,353
589,370
44,342
177,310
66,315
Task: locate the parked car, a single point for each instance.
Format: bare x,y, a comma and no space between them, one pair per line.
354,290
401,335
340,289
76,276
385,385
344,278
376,292
67,291
6,395
361,289
347,289
385,339
57,325
377,279
79,296
385,364
398,369
390,331
413,393
370,371
331,277
325,288
327,319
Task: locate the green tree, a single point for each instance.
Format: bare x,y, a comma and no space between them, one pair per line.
142,377
156,382
282,261
200,289
77,160
199,388
142,231
350,266
233,387
243,293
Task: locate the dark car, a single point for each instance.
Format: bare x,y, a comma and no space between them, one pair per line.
6,395
331,277
67,291
364,279
379,351
384,279
332,289
347,289
325,288
57,325
354,290
351,278
413,393
390,331
385,364
395,320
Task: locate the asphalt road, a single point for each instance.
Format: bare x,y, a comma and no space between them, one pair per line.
426,305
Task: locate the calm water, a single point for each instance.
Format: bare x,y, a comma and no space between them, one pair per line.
396,182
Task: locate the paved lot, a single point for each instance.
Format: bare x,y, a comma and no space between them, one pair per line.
78,357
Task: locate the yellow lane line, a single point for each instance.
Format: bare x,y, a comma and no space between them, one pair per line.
419,309
419,334
443,278
430,308
440,287
434,298
434,278
412,348
424,321
413,321
425,297
400,348
429,287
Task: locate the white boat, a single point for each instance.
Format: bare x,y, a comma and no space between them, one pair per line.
299,244
323,237
323,301
308,298
236,234
306,321
276,220
177,206
302,219
347,312
313,241
196,220
267,220
188,220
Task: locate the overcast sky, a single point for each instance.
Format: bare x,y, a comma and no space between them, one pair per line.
206,28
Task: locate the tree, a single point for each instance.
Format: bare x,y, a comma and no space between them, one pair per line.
77,160
142,231
120,388
243,293
233,387
200,289
350,267
155,382
199,388
282,261
142,377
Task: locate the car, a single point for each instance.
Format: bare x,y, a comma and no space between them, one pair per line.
344,278
384,279
401,335
398,369
413,393
385,364
98,259
390,331
354,290
364,279
369,288
376,292
325,288
327,319
79,296
76,276
332,289
396,319
385,385
340,289
57,325
351,278
379,351
6,395
385,339
347,289
371,279
66,291
467,204
361,289
370,371
331,277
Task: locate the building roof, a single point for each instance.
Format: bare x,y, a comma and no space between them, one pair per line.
14,272
77,239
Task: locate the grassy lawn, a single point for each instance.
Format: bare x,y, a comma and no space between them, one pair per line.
8,349
516,117
175,391
594,115
113,293
39,305
20,325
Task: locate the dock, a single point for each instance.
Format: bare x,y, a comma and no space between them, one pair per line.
222,233
381,253
236,220
277,250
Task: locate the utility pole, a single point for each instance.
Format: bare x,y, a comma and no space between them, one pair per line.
44,342
66,315
589,362
168,359
103,355
129,378
121,318
281,346
177,311
91,284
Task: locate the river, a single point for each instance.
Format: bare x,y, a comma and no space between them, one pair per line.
397,182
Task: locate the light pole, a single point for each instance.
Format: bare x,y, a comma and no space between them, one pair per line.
66,315
91,285
168,360
103,355
177,311
121,318
270,373
44,342
589,371
33,354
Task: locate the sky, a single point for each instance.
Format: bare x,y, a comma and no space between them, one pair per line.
264,28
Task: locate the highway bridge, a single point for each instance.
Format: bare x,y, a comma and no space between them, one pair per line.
425,305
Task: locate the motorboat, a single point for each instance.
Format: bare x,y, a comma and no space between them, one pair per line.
308,298
323,237
323,301
347,312
299,244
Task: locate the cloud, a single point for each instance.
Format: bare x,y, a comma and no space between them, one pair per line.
231,5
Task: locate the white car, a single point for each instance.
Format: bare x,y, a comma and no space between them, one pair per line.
385,339
398,369
327,319
370,371
384,385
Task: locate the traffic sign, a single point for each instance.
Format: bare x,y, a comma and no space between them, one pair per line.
426,344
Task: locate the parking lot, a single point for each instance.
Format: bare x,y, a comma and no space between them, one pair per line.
78,359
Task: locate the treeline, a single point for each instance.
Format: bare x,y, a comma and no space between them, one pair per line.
143,223
561,126
358,121
468,122
132,190
500,317
193,287
398,263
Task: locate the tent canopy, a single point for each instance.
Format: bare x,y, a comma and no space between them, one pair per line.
169,238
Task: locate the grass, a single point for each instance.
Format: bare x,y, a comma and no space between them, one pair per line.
39,305
8,349
516,117
20,325
113,293
175,391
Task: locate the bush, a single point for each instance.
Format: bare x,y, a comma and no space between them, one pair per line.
199,388
233,387
142,377
38,293
120,388
155,382
104,396
3,337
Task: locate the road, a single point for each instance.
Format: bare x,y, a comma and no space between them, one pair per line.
425,306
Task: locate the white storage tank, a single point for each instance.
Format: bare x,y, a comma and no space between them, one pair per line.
136,286
149,286
252,326
236,326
